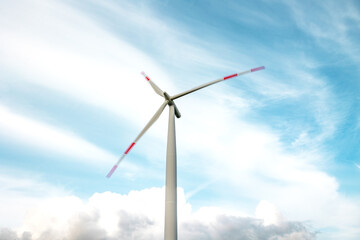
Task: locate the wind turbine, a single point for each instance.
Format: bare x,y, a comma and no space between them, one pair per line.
170,231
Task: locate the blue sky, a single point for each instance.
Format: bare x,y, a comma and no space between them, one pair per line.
279,145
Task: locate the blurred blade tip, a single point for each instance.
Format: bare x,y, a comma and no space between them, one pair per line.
257,69
111,171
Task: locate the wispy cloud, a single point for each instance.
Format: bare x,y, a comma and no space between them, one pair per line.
253,159
88,71
330,24
26,131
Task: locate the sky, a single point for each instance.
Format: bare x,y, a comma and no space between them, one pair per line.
269,155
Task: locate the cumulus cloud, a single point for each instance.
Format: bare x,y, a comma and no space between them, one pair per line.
232,227
18,194
140,215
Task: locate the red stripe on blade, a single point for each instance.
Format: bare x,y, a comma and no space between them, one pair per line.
257,69
129,148
111,171
147,78
234,75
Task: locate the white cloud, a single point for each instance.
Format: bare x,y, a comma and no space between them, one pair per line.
80,64
21,191
140,215
41,136
250,160
332,24
269,213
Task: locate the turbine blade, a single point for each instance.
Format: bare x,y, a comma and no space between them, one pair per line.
148,125
177,112
215,81
153,85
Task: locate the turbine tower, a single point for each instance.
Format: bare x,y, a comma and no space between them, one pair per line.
170,231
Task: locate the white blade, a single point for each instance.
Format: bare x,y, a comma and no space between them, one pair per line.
148,125
215,81
153,85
